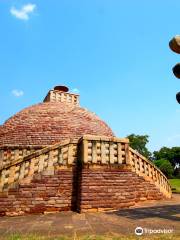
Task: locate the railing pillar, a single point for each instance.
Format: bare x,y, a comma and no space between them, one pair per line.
94,152
127,153
85,151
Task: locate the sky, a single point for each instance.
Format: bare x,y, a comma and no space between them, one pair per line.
114,53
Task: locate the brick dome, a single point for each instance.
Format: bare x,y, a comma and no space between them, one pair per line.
50,122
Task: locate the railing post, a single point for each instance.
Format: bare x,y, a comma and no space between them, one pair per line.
111,152
119,151
85,151
70,154
127,157
94,151
2,179
103,152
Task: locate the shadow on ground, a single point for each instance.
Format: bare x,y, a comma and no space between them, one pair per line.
166,212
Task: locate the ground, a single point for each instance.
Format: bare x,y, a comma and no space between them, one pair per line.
164,214
175,184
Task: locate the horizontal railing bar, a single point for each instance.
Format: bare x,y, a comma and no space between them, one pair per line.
37,153
148,161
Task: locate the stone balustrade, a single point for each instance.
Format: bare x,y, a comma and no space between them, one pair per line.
10,154
145,168
91,150
104,150
41,160
59,96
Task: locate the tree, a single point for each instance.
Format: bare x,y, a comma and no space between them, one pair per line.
176,155
138,142
170,154
165,166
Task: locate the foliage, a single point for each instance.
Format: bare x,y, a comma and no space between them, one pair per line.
165,166
171,154
138,142
166,159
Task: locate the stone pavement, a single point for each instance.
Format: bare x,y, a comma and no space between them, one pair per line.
152,214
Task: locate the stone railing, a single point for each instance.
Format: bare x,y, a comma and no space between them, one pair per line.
145,168
44,159
93,150
104,150
10,154
58,96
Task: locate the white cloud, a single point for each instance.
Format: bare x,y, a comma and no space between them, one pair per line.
24,12
17,93
75,90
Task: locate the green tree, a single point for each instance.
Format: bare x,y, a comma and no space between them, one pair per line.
165,166
138,142
170,154
176,156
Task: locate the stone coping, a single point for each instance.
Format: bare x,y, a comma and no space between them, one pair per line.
38,152
148,161
103,138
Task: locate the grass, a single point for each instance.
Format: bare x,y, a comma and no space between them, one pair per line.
92,237
175,185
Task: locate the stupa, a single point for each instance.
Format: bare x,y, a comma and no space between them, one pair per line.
57,156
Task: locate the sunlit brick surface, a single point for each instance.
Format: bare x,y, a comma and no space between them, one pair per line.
51,122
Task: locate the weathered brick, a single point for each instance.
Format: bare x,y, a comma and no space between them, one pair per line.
94,190
48,123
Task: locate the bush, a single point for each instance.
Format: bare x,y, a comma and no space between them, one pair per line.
165,166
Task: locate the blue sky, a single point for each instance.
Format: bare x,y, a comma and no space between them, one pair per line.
115,52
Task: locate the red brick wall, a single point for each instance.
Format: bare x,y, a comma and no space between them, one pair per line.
103,188
93,189
43,194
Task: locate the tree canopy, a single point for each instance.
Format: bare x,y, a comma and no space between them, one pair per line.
138,142
171,154
166,159
165,166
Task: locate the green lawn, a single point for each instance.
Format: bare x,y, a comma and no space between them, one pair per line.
93,237
175,184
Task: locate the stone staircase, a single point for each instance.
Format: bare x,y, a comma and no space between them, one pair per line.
41,160
94,173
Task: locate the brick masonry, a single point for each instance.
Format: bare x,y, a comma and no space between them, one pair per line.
49,123
113,188
44,193
89,188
